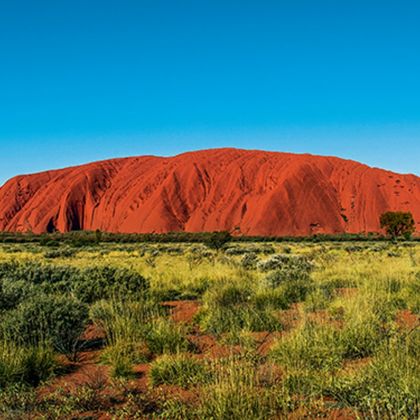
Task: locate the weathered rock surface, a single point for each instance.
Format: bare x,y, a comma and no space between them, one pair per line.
243,191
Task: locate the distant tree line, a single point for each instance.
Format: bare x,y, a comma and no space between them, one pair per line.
396,225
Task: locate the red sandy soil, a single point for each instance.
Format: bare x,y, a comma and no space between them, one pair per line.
407,319
183,310
242,191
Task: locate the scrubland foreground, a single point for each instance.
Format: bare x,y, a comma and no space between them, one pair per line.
180,331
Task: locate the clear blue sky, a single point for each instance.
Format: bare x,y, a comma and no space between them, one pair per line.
88,80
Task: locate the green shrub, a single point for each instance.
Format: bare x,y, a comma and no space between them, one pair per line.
97,283
55,319
51,278
181,369
13,292
217,240
249,261
65,252
88,285
286,261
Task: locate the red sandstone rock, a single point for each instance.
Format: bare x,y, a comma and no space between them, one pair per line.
242,191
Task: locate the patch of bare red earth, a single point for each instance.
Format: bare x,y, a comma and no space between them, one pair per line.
407,320
183,310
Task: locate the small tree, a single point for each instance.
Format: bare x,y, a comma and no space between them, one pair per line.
217,240
397,223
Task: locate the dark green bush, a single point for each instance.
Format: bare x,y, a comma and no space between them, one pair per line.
97,283
60,253
217,240
88,285
13,292
58,320
52,278
249,261
286,261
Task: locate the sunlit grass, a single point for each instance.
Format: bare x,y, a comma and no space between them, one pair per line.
338,342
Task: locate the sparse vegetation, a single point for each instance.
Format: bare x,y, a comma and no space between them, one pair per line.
187,330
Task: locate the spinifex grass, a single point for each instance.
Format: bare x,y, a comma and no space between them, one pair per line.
346,337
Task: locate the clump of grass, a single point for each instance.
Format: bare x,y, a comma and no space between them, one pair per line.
367,323
234,307
236,392
319,299
181,369
125,326
164,336
311,346
387,388
241,338
25,365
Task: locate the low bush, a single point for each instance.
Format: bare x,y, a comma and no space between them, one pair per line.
249,261
51,278
286,261
55,319
217,240
88,285
293,277
106,282
65,252
13,292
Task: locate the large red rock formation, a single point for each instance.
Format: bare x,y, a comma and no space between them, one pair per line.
243,191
